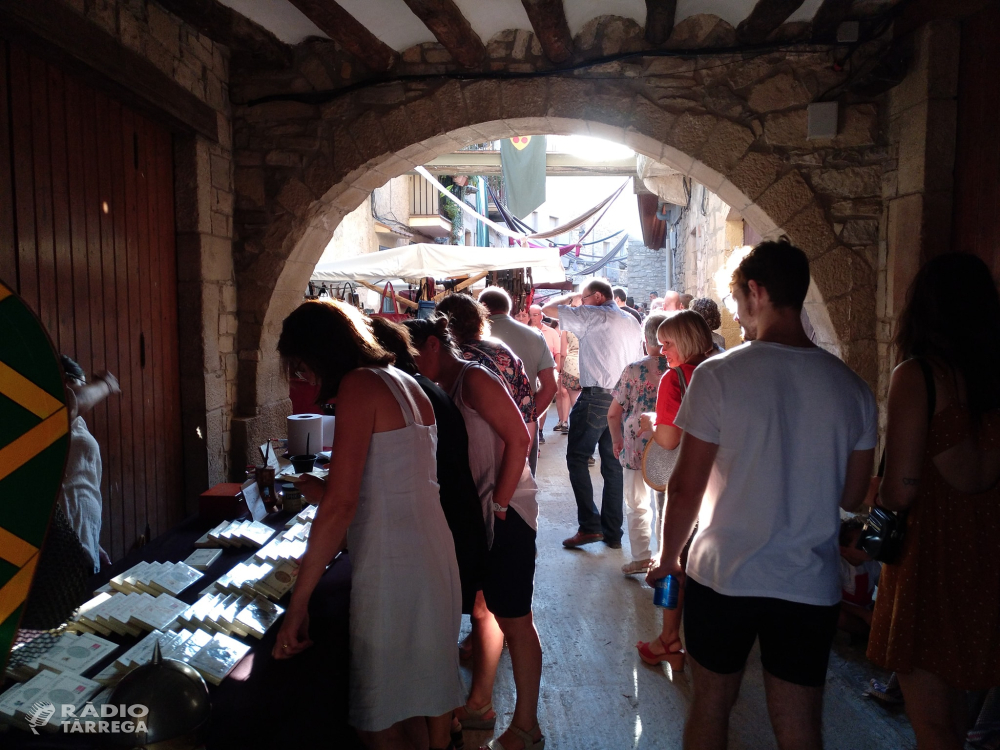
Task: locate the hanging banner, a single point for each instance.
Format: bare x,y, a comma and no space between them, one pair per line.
522,160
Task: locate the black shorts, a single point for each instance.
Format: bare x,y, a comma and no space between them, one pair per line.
795,638
510,575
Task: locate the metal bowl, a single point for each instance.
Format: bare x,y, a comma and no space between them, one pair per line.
177,701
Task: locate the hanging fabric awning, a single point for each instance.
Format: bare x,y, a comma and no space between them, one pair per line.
442,261
608,257
500,229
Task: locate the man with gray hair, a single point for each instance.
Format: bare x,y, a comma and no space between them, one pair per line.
609,340
635,394
530,346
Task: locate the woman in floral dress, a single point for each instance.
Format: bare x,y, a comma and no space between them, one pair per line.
635,394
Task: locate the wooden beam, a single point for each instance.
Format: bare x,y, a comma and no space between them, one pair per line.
548,19
659,20
828,17
51,30
459,287
225,26
451,28
345,29
766,16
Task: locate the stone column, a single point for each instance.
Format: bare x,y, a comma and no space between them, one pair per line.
917,180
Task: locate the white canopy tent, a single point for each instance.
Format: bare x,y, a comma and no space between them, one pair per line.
441,262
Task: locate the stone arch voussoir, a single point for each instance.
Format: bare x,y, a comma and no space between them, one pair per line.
731,157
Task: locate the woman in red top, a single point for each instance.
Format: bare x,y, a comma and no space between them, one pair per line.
686,341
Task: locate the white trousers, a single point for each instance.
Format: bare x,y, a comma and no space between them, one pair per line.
639,514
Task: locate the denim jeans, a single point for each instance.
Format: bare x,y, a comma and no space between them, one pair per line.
588,427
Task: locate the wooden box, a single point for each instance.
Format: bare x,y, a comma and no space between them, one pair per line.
223,502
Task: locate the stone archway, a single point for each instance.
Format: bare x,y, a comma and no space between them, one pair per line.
752,152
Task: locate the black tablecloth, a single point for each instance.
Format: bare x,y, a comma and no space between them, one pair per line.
264,703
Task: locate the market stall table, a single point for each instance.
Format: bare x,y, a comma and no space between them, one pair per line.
263,703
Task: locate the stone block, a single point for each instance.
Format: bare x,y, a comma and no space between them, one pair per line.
733,196
858,126
569,98
785,198
810,231
220,225
104,14
451,106
909,130
220,166
851,182
701,30
862,357
779,92
280,112
725,146
366,131
690,131
483,99
650,120
832,272
295,197
249,184
522,40
942,125
860,232
424,119
524,98
412,54
313,70
905,240
216,264
345,153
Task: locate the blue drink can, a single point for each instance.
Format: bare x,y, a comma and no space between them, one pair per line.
665,592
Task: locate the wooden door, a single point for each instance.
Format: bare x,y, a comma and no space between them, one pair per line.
87,239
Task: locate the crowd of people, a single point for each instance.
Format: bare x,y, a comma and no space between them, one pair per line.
771,446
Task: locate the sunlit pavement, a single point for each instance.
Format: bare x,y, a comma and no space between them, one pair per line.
597,692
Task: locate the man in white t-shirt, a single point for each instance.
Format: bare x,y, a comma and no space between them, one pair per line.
778,435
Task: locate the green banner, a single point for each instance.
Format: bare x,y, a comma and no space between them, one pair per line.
522,159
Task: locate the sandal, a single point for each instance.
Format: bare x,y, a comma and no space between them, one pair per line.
474,717
675,657
530,743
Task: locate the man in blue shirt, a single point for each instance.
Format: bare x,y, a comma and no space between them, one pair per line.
610,339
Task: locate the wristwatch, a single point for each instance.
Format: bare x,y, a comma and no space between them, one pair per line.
498,508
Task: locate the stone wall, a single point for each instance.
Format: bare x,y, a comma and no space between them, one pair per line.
204,218
917,179
735,125
647,271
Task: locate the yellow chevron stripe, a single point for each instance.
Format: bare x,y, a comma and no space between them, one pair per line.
33,442
23,392
16,589
14,549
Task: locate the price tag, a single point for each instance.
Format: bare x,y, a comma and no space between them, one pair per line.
255,504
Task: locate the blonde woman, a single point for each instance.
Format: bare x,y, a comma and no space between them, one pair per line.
686,341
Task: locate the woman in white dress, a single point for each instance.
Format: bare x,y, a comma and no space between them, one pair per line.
406,599
498,452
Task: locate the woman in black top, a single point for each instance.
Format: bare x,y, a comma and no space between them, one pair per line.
459,496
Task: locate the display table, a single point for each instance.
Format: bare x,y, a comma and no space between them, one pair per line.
264,703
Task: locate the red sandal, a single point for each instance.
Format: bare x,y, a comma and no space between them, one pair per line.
674,657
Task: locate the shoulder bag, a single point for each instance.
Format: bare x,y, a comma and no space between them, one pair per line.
883,532
658,462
